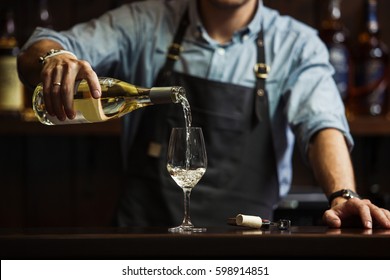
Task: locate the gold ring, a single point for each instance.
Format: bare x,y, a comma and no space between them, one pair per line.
56,84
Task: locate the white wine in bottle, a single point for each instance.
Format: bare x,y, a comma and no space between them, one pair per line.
118,98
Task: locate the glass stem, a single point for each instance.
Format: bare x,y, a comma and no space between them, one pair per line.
187,219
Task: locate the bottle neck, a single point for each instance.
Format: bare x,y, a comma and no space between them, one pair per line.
372,17
162,95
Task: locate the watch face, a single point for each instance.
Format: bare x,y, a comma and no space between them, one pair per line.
349,194
345,193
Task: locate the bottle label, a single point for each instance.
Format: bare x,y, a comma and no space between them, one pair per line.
91,108
11,90
87,111
339,58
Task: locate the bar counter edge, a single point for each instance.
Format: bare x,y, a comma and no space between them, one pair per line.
220,243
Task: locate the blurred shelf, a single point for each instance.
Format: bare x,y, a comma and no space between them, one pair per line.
16,126
370,126
359,126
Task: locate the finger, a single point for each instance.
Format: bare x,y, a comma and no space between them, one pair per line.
92,79
380,216
387,214
67,98
68,92
331,219
46,89
56,102
94,86
56,91
364,211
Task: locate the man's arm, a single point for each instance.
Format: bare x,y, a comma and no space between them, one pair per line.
331,163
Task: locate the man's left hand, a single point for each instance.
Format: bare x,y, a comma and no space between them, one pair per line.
357,211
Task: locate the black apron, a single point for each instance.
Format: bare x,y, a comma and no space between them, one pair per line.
241,176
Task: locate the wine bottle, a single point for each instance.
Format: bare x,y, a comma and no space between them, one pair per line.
11,90
336,37
370,93
118,98
44,16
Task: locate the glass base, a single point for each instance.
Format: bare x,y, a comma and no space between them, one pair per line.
186,229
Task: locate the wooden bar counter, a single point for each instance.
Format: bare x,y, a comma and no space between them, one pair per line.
221,243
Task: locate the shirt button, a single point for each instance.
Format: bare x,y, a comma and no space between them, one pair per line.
245,37
221,51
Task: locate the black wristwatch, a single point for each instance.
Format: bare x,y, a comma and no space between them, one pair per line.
345,193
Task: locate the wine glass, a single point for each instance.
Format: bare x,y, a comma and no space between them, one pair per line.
186,163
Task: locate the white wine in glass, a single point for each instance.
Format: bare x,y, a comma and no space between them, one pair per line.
187,162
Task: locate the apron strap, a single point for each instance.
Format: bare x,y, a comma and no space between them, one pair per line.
176,48
261,70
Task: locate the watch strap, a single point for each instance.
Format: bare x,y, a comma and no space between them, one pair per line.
345,193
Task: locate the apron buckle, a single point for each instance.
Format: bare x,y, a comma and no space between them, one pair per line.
261,70
174,51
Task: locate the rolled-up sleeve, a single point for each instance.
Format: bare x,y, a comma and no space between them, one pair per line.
111,43
312,99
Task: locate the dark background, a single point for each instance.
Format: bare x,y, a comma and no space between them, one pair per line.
80,182
68,12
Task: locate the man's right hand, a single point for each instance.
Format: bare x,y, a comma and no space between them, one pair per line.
58,74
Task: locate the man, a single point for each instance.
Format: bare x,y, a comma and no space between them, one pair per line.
254,80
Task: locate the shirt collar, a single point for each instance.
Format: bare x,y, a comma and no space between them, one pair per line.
196,25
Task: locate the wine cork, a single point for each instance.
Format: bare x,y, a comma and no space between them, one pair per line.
249,221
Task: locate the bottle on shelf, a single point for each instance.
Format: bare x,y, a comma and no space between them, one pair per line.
118,98
369,96
11,90
43,18
335,35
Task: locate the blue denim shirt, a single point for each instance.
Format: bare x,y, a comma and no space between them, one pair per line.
130,43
